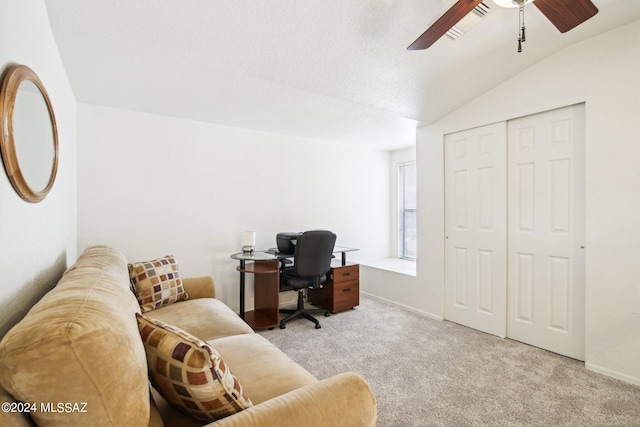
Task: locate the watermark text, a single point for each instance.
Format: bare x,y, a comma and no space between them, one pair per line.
60,407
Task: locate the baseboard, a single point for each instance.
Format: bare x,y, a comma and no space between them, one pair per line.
406,307
612,373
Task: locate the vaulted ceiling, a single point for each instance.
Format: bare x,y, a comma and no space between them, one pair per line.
336,70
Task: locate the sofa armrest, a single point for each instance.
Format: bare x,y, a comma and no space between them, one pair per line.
344,400
199,287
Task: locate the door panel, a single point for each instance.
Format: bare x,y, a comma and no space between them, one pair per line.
546,191
475,227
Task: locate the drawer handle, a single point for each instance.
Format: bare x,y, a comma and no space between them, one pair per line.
346,289
346,274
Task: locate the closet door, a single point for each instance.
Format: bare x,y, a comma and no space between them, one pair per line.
475,227
546,230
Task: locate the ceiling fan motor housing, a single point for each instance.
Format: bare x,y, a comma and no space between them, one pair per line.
511,3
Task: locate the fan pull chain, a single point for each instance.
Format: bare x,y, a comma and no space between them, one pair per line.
521,35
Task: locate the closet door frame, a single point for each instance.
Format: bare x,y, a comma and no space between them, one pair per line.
524,276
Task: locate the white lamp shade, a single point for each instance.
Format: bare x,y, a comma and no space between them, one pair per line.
248,238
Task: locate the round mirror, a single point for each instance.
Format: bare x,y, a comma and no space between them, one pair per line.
28,134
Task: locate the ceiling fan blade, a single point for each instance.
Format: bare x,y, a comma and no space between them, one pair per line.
566,14
443,24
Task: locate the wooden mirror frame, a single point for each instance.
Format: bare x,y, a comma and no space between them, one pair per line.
13,77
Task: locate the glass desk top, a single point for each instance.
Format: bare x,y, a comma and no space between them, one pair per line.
273,253
254,256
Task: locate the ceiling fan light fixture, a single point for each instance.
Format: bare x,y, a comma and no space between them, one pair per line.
511,3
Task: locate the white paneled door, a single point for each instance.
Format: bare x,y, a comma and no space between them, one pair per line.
475,204
546,230
514,225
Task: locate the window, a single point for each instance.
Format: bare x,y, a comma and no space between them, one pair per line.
407,215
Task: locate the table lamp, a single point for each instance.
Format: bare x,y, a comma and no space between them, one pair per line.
248,241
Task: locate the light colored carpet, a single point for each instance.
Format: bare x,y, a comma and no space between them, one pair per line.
430,373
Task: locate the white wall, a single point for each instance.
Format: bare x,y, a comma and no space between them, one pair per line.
152,185
602,72
37,241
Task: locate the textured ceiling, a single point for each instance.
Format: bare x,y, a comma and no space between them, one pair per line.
335,70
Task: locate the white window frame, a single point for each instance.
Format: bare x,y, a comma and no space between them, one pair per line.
402,210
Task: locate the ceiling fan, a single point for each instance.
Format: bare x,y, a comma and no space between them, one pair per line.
563,14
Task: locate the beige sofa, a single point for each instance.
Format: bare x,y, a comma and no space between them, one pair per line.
77,359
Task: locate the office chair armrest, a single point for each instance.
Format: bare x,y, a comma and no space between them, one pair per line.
199,287
342,400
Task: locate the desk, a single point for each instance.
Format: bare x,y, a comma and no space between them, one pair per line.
265,265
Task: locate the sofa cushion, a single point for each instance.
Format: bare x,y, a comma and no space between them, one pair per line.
263,369
205,318
157,282
189,373
80,344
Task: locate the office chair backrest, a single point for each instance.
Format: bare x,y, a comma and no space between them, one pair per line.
313,253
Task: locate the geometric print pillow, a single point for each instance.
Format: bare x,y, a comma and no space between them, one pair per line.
189,373
156,282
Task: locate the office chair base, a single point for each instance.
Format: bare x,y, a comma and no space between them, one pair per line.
301,312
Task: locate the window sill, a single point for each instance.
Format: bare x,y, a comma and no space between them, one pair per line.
397,265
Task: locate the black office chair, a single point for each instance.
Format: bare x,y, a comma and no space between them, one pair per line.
311,262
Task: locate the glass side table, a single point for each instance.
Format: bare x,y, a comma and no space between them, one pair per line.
266,269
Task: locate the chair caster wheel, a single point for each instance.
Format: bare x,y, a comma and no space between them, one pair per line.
282,326
318,326
327,314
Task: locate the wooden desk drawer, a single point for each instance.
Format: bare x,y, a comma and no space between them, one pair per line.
345,273
346,294
341,291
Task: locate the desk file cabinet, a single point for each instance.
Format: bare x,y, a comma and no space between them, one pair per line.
341,291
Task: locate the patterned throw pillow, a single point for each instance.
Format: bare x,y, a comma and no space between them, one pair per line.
157,282
189,373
